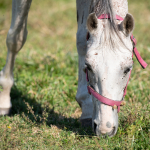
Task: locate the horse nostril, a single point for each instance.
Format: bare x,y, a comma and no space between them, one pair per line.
95,125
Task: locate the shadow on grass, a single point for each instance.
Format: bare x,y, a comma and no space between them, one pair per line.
34,113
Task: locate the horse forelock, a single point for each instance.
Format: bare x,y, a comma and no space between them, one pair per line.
111,30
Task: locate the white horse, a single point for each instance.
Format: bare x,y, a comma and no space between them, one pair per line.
107,55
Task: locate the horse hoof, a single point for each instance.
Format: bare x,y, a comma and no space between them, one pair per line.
5,111
86,122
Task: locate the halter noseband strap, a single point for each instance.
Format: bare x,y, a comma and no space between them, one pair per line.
101,98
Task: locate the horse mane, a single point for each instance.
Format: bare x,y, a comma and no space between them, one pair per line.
105,7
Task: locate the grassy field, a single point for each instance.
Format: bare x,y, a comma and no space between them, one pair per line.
45,114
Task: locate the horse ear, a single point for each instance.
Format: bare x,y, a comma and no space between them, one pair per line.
92,22
127,25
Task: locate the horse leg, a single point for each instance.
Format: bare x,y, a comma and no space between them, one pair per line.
16,38
82,96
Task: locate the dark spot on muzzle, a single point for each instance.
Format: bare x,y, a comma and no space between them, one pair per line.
108,124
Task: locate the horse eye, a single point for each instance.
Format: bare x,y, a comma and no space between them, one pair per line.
88,67
127,70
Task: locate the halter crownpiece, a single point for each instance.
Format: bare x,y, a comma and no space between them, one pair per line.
101,98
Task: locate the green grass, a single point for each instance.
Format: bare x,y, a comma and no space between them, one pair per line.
45,114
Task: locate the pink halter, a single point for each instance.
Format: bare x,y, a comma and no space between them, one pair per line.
101,98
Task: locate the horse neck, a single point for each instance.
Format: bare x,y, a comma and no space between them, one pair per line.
120,7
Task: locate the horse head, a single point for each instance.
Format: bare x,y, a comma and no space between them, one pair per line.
108,63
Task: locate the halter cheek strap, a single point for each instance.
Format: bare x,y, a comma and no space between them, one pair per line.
136,53
101,98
